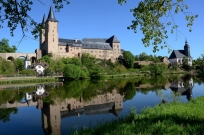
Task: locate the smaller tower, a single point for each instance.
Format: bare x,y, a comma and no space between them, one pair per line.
42,33
187,49
27,62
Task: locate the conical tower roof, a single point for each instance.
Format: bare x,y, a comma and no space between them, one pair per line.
44,20
51,16
27,58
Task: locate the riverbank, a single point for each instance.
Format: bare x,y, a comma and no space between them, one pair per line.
168,118
20,80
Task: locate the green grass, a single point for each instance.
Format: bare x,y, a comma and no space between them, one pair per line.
164,119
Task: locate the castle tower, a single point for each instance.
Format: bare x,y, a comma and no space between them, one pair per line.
115,43
51,33
187,49
42,34
27,62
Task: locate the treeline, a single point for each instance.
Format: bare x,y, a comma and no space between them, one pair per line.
144,57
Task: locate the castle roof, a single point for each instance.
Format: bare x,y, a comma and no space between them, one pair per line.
69,42
51,16
177,54
44,20
113,39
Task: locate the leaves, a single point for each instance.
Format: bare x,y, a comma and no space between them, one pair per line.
148,15
16,12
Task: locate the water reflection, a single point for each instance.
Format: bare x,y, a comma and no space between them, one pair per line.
184,87
79,101
101,104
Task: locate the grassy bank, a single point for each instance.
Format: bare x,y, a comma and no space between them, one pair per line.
27,80
169,118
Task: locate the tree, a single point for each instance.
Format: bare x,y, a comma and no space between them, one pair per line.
5,48
72,71
200,63
157,69
148,15
19,64
128,59
185,64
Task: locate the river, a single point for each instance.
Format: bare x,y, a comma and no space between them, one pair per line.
58,108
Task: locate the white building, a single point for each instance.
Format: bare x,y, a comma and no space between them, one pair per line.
177,56
39,67
27,62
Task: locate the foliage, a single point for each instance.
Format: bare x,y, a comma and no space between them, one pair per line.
27,72
185,64
6,67
48,72
6,112
157,69
17,13
97,72
19,64
144,57
148,18
128,59
200,63
46,58
129,90
87,60
72,71
4,46
76,61
120,69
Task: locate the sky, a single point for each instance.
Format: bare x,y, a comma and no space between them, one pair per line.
104,18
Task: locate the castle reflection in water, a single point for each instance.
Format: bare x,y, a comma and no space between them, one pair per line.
110,102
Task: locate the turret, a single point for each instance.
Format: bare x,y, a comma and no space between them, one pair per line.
27,62
42,33
51,33
187,49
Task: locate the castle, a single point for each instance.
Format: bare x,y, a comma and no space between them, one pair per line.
103,48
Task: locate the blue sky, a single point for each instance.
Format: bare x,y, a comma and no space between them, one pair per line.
104,18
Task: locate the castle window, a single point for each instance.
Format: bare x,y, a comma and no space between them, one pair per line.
99,51
53,39
60,48
53,31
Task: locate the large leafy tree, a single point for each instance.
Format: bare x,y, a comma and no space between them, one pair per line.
128,59
5,48
148,15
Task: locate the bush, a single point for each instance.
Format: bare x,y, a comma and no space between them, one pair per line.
72,71
27,72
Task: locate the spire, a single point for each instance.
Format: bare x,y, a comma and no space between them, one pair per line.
186,44
27,58
51,16
44,20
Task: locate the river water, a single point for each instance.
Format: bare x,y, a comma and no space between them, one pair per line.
58,108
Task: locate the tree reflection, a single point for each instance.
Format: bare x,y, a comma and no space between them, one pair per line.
6,112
